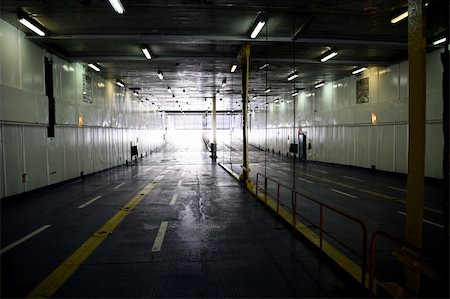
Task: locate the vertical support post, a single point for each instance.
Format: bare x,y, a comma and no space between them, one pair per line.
245,66
416,148
214,142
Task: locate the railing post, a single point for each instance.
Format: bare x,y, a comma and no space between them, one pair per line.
364,258
373,253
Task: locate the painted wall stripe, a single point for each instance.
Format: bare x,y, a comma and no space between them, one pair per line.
90,201
23,239
424,220
120,185
343,193
160,236
47,287
174,199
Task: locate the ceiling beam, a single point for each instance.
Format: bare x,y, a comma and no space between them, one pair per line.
208,39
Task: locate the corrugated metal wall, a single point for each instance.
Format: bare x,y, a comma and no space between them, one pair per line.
114,120
340,130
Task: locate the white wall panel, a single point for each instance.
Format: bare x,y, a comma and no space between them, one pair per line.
373,146
389,83
401,148
35,154
386,148
13,159
434,150
31,63
71,146
9,55
362,147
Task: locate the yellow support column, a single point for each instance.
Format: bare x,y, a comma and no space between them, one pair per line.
245,63
416,148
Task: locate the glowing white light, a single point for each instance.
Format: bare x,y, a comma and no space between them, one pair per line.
94,67
257,29
329,56
32,27
117,5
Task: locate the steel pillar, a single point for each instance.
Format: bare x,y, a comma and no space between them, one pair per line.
245,66
416,149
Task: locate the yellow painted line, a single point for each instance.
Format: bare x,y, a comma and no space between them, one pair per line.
47,287
160,236
376,194
347,264
426,208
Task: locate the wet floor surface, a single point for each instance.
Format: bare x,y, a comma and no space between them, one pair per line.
376,198
196,233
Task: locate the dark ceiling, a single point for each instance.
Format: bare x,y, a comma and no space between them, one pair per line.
195,42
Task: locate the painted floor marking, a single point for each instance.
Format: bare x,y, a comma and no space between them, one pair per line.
23,239
305,180
174,199
120,185
343,193
282,172
179,183
424,220
47,287
90,201
398,189
352,178
322,171
160,236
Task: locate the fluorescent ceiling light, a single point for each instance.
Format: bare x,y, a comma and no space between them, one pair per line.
160,75
320,84
169,90
263,66
328,55
31,26
257,29
146,52
120,83
266,104
399,17
276,101
233,68
224,82
292,76
439,41
295,92
267,90
117,5
359,70
135,93
94,67
254,97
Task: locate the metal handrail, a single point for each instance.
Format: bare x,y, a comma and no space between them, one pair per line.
295,194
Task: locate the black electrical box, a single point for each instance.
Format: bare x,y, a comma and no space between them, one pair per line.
293,148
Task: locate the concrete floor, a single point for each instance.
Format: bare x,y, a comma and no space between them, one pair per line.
219,241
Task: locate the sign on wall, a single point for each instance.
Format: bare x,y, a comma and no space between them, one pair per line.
87,89
362,91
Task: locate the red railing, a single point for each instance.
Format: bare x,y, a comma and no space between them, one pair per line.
294,196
